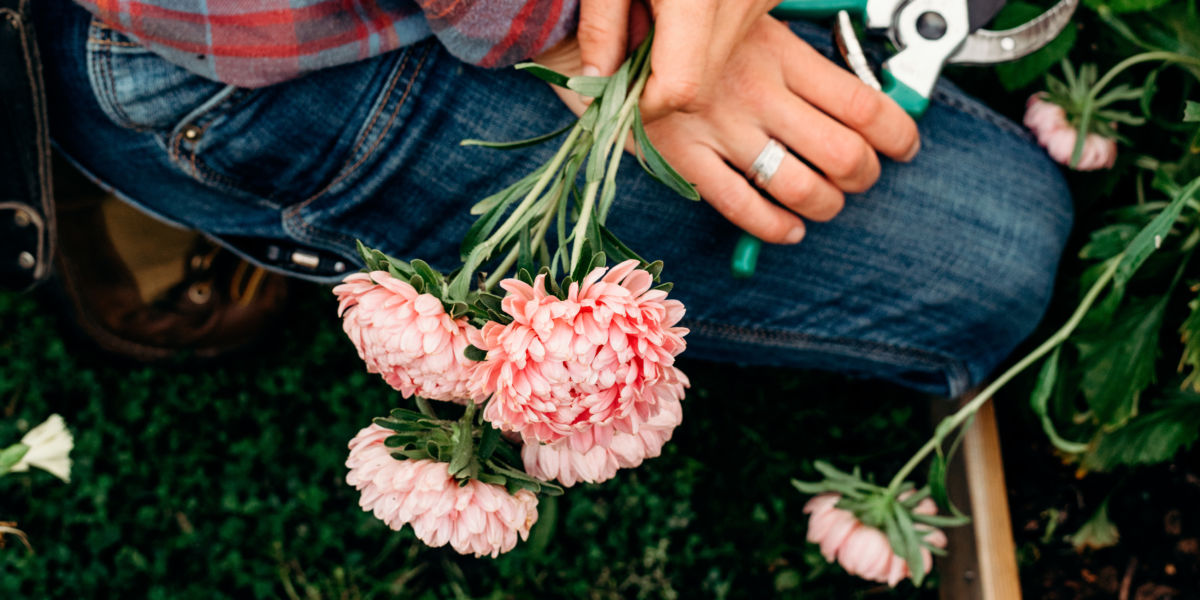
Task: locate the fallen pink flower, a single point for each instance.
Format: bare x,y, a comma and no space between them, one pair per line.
580,457
589,363
406,337
1048,122
476,518
861,550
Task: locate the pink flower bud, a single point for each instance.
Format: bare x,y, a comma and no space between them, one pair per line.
406,337
861,550
477,518
1048,122
591,364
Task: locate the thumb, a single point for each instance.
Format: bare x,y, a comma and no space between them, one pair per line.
603,30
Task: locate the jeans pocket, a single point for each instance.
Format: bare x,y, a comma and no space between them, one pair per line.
274,147
136,88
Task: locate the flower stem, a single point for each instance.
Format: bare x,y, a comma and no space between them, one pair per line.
424,407
971,407
611,153
539,240
552,170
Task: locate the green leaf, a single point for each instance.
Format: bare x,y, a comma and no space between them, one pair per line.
460,286
588,86
399,425
1153,437
11,456
368,258
1189,334
506,196
475,354
658,166
616,248
942,520
911,544
492,478
1109,241
1098,532
1020,73
544,73
461,457
1149,88
1040,402
433,279
405,414
938,467
524,249
1191,113
488,441
525,143
1118,362
1151,236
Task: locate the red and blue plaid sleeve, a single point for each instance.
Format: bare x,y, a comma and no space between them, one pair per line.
495,33
254,43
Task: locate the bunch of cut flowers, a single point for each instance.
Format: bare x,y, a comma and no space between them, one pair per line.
545,360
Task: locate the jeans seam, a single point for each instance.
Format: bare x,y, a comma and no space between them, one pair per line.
199,170
956,372
105,91
291,217
351,167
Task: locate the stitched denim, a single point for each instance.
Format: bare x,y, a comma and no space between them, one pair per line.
929,279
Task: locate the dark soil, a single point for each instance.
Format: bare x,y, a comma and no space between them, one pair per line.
1156,510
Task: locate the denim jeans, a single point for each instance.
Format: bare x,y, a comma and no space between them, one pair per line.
929,279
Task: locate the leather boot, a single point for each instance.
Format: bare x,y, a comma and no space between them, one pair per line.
213,304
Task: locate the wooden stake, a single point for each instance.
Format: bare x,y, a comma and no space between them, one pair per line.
982,562
998,574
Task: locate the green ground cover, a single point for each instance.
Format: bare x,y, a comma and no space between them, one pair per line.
226,480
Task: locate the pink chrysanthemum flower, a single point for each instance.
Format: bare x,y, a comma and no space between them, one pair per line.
406,337
591,361
477,518
582,457
1048,122
865,551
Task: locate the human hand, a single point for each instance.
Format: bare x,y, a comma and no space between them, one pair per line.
776,86
693,40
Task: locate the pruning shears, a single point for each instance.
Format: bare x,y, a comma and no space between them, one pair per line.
928,34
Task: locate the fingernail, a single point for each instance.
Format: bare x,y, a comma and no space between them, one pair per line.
591,71
912,153
794,236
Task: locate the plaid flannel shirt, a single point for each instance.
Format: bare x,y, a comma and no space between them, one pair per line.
254,43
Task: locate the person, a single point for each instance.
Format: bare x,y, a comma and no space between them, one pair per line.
287,134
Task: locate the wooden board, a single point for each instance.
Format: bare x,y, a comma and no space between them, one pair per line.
982,563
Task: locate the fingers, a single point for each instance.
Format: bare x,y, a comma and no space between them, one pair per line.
794,184
837,92
603,29
679,56
841,154
732,195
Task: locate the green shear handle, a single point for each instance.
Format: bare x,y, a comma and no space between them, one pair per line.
745,254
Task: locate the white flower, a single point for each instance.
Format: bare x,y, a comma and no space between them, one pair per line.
49,447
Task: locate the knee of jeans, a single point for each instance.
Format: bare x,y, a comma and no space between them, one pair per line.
1012,264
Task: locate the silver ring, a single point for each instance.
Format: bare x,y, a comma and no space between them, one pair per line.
767,163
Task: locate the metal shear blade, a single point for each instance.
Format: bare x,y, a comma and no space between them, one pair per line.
985,47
